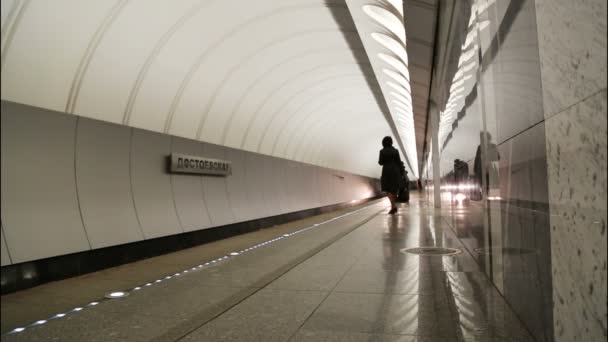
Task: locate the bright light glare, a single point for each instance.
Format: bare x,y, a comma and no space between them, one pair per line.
460,197
386,19
397,77
116,294
391,44
395,63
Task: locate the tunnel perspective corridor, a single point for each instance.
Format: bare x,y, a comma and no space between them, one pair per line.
211,170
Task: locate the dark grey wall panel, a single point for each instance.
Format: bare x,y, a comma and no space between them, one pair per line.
254,165
151,186
6,259
188,190
523,166
215,190
39,202
104,184
236,186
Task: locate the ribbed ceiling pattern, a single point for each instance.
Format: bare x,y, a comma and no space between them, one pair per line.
275,77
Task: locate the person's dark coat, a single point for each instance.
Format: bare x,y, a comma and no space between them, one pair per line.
391,173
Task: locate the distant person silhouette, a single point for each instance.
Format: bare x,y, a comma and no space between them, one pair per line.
492,157
391,173
404,194
461,171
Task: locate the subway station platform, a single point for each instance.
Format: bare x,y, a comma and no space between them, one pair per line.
341,276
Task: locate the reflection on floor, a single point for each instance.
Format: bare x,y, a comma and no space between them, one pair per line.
336,279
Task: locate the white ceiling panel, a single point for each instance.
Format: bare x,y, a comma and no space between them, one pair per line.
284,78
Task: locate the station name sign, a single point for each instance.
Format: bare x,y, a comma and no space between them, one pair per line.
181,163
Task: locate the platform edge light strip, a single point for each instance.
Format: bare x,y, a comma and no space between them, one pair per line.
115,294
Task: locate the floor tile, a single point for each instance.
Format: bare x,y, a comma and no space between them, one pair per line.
314,336
388,314
268,315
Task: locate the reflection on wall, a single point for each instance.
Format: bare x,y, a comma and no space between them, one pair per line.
487,89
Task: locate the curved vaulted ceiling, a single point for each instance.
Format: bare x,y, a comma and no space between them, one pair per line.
284,78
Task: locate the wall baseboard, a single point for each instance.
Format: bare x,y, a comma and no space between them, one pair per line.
25,275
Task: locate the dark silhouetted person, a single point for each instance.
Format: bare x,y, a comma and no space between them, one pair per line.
492,156
391,175
461,171
404,195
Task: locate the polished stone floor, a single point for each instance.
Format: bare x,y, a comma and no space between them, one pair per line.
337,277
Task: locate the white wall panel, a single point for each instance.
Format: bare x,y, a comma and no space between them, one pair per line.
39,203
307,186
5,8
216,195
304,186
104,184
254,185
325,186
345,186
42,60
6,260
337,189
237,190
281,184
315,189
281,165
121,56
307,183
353,190
151,185
269,180
117,178
292,190
188,190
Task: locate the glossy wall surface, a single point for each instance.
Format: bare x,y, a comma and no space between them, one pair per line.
572,49
72,184
493,165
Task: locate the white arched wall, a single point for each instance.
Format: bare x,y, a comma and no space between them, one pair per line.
40,209
72,184
237,189
107,203
216,190
188,190
152,189
248,76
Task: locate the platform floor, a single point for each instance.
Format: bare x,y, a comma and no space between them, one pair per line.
340,276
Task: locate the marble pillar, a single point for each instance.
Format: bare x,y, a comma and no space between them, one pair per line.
572,49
